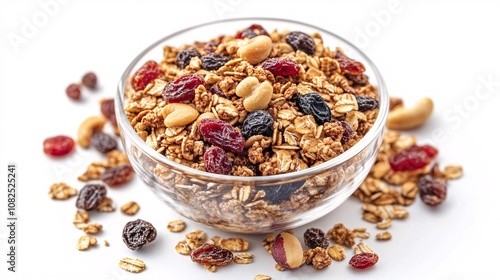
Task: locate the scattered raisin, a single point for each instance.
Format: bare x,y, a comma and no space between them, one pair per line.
144,75
90,196
350,66
315,237
183,88
73,91
348,132
251,31
313,104
89,80
222,134
58,146
138,233
213,61
412,158
301,41
281,66
103,142
216,90
363,260
258,122
432,190
212,255
366,103
108,110
183,58
216,161
277,193
358,80
115,176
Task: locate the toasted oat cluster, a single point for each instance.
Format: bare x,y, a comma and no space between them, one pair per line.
252,103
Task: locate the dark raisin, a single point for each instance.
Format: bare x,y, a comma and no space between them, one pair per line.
366,103
348,132
301,41
58,146
183,58
358,80
103,142
412,158
313,104
213,61
315,237
90,196
258,122
138,233
251,31
432,190
144,75
350,66
216,161
281,66
183,88
89,80
216,90
212,255
222,134
73,91
277,193
118,175
363,260
108,110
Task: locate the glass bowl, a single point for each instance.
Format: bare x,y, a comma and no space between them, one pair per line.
231,203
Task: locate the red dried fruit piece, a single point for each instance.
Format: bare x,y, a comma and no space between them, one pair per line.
183,88
89,80
363,260
212,255
119,175
216,161
58,146
348,132
108,110
73,91
413,158
350,66
281,66
432,190
222,134
144,75
252,31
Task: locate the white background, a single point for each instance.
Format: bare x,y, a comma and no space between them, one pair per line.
423,48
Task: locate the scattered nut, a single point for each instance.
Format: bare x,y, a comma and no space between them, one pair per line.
257,95
130,208
87,128
85,242
61,191
256,50
179,114
210,267
383,235
336,252
409,118
243,258
287,251
395,102
132,265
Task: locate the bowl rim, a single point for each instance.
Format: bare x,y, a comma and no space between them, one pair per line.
128,131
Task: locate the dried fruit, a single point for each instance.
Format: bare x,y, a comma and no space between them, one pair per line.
251,31
432,190
301,41
412,158
287,251
138,233
358,80
213,61
281,66
90,196
313,104
217,91
73,91
89,80
258,122
212,255
315,237
350,66
348,132
363,260
366,103
103,142
216,161
277,193
108,110
183,88
183,58
144,75
222,134
58,146
115,176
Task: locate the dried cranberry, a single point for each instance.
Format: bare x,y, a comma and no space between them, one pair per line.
58,146
216,161
212,255
301,41
183,58
429,150
108,110
350,66
144,75
315,237
222,134
213,61
90,196
183,88
432,190
138,233
313,104
281,66
258,122
363,260
252,31
412,158
119,175
73,91
348,132
277,193
366,103
89,80
103,142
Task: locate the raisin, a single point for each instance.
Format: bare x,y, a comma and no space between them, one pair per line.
58,146
281,66
301,41
89,80
183,88
212,255
108,110
103,142
315,237
144,75
222,134
258,122
313,104
118,175
350,66
363,260
432,190
348,132
358,80
73,91
183,58
366,103
277,193
138,233
216,90
216,161
412,158
90,196
251,31
213,61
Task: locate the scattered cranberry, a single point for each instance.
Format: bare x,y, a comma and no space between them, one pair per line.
183,88
413,158
216,161
252,31
363,260
350,66
89,80
58,145
432,190
144,75
222,134
281,66
119,175
73,91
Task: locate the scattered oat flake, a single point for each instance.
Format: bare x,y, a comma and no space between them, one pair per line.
336,252
130,208
243,258
85,242
262,277
132,265
61,191
106,243
453,171
383,235
176,226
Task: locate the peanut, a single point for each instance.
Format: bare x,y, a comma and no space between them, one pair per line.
409,118
87,128
178,114
256,50
257,96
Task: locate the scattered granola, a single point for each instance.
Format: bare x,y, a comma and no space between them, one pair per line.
385,235
130,208
80,218
90,228
132,265
243,258
318,257
85,242
342,235
61,191
336,252
106,205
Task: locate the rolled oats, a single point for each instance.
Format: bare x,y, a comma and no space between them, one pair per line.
106,243
336,252
176,226
80,218
383,235
243,258
318,257
61,191
453,171
90,228
106,205
132,265
85,242
362,248
262,277
130,208
267,243
384,224
234,244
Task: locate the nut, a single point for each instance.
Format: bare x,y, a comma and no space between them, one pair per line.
287,251
132,265
257,95
256,50
87,128
179,114
80,218
408,118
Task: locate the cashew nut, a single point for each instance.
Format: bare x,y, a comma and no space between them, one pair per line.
256,50
206,115
87,128
407,118
179,114
257,95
